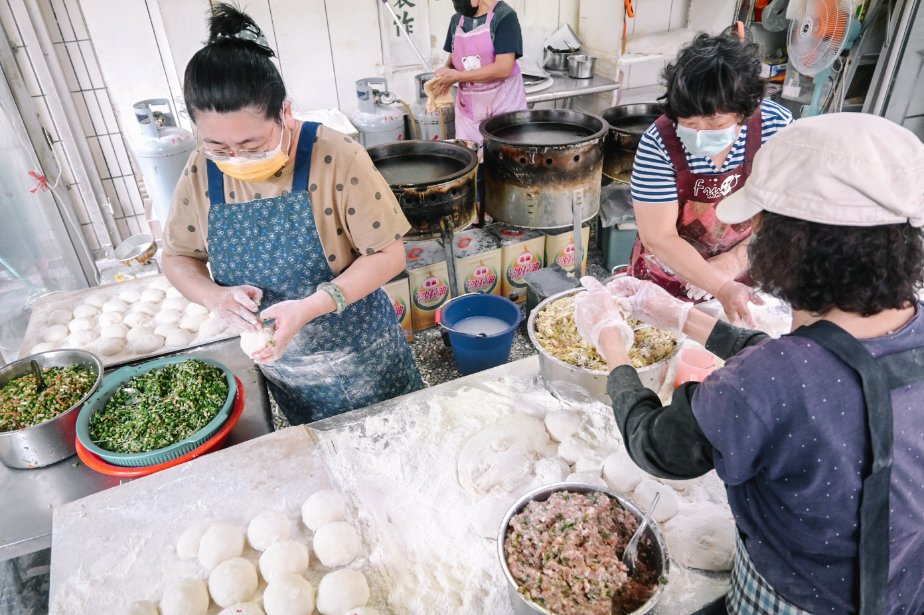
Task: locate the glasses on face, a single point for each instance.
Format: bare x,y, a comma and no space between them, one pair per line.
225,153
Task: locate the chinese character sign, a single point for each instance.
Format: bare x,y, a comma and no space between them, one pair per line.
412,15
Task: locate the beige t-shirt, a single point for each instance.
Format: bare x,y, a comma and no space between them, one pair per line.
354,209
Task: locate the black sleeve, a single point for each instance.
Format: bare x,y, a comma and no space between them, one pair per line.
450,34
508,38
667,441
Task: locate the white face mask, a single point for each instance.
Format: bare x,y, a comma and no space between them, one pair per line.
707,142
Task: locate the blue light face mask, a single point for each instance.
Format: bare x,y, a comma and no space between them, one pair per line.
707,142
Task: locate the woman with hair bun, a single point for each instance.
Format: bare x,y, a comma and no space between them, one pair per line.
291,217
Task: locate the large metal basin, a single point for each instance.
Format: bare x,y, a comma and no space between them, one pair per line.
560,377
522,606
627,125
43,444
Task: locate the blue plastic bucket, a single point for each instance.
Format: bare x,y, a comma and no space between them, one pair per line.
473,352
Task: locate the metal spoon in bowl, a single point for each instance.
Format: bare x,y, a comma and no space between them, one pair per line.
630,555
37,372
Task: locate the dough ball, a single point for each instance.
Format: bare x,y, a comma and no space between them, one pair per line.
145,308
488,514
136,319
80,324
108,346
590,478
169,316
234,580
185,597
187,545
220,542
55,333
289,594
285,556
165,329
161,283
561,424
363,610
578,453
174,303
44,347
621,473
676,485
668,505
267,528
173,293
245,608
702,536
179,337
60,317
144,341
322,507
336,544
551,470
80,339
195,308
152,295
96,300
113,331
191,322
86,311
111,318
342,590
212,326
130,296
143,607
253,342
115,305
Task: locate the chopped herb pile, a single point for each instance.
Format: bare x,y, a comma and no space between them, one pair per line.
22,406
160,408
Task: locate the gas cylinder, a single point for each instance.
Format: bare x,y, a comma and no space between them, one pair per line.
376,119
435,126
162,150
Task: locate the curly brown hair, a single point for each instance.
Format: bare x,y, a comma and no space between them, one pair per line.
817,267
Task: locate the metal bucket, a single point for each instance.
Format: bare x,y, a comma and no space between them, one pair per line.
627,125
559,376
521,605
43,444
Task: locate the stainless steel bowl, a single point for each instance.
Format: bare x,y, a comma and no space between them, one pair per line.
43,444
581,66
560,376
522,606
136,250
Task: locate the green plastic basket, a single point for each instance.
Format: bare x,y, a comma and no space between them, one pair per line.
111,384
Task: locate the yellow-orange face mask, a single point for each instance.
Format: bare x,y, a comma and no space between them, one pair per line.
250,170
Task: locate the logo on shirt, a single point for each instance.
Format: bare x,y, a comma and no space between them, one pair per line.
711,191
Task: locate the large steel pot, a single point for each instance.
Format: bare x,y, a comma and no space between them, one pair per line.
432,180
563,378
627,124
539,164
54,440
523,606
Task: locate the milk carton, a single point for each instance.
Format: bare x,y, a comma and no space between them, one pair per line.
399,292
522,252
428,280
559,248
477,256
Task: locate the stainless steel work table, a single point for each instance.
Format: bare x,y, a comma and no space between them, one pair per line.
565,88
28,496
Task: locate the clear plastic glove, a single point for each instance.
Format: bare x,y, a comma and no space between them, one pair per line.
652,304
595,310
288,317
237,306
734,297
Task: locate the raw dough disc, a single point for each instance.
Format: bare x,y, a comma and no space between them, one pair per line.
130,296
60,317
179,338
621,473
253,342
244,608
136,319
55,333
161,283
145,308
220,542
702,536
115,305
144,341
173,293
580,454
286,556
590,478
195,308
152,295
234,580
185,597
96,299
322,507
562,424
212,326
108,346
668,505
111,318
81,339
551,470
113,331
289,594
174,303
191,322
171,316
165,329
336,544
187,545
85,311
267,528
80,324
342,590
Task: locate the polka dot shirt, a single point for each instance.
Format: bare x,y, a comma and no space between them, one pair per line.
354,210
787,424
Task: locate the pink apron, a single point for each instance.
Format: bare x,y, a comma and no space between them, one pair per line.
698,195
476,102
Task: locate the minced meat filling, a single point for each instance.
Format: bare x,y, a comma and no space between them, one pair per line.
565,554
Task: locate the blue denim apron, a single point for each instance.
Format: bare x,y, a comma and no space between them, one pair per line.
335,363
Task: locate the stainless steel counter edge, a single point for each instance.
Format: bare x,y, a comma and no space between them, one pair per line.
566,87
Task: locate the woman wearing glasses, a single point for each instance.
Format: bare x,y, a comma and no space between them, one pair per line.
292,218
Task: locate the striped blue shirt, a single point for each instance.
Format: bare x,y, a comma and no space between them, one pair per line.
654,179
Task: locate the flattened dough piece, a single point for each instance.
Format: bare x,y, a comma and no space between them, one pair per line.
668,504
60,317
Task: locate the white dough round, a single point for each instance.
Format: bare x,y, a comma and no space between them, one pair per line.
342,590
191,322
702,536
195,308
152,295
145,308
253,342
80,339
212,326
185,597
579,453
143,607
161,283
245,608
336,544
285,556
80,324
220,542
234,580
144,341
136,319
55,333
115,305
130,296
60,317
108,346
113,331
174,303
165,329
96,299
187,545
111,318
551,470
179,338
173,293
85,311
589,478
289,594
44,347
621,473
322,507
363,610
562,424
668,505
269,527
170,316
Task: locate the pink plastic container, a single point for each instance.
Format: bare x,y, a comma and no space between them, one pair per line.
694,365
